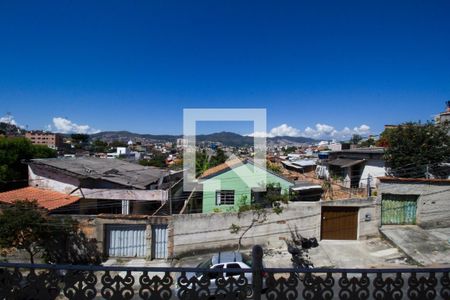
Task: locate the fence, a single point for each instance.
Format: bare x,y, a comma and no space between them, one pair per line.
26,281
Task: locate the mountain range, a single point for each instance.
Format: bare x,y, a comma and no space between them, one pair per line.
226,138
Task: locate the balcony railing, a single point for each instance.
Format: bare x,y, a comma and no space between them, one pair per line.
27,281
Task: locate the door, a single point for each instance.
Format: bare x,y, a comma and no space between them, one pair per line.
398,209
339,223
126,240
159,241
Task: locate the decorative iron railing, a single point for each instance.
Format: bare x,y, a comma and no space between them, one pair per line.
26,281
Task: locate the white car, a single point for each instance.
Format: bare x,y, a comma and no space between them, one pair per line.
223,261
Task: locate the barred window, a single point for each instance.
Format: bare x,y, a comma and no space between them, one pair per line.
225,197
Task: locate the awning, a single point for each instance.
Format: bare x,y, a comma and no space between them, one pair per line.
345,162
306,187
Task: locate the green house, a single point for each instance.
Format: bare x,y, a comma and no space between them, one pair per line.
232,184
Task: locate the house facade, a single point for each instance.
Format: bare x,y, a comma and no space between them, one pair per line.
355,166
124,206
104,186
226,188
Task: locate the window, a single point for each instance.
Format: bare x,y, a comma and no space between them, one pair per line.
225,197
214,275
233,273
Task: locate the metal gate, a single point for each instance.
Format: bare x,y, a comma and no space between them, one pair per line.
126,240
398,209
339,223
159,241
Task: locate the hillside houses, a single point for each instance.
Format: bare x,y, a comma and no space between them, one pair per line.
356,167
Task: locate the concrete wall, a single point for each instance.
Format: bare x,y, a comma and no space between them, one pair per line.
196,233
95,227
369,215
45,178
374,168
433,204
202,232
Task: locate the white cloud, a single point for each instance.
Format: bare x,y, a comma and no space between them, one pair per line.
285,130
64,125
9,119
363,129
259,134
319,131
282,130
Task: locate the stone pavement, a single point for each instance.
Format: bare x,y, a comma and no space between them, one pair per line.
371,253
426,247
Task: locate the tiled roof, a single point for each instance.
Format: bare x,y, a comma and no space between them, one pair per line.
222,167
47,199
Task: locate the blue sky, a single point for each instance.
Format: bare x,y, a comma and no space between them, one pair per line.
134,65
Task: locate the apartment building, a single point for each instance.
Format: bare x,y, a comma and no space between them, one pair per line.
52,140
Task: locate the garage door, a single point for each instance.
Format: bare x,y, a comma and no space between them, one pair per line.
398,209
159,241
126,240
339,223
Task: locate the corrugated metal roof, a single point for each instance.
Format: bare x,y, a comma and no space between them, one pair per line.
289,164
113,170
304,162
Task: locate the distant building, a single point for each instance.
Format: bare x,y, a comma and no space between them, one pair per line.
444,116
335,146
182,143
52,140
355,166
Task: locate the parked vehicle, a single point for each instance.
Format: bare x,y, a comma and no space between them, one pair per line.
227,264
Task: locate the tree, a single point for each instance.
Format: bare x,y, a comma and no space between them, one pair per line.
65,243
25,226
42,151
13,150
201,162
158,160
79,140
21,227
218,158
116,143
274,167
413,149
290,149
99,146
367,143
356,138
273,198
